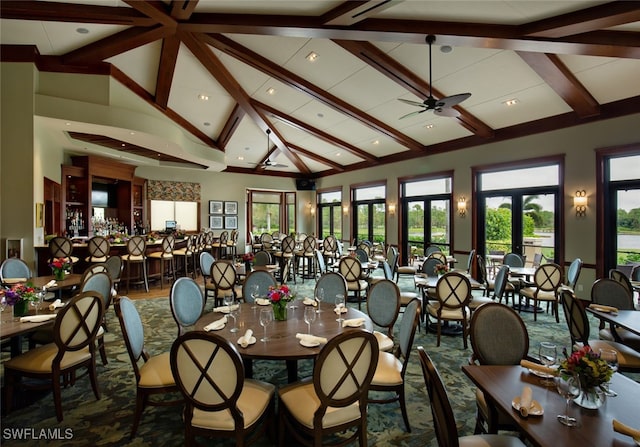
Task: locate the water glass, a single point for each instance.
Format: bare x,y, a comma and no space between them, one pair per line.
266,317
319,298
568,386
255,294
309,317
340,304
548,354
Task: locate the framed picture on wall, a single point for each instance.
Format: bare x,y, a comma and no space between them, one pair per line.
231,207
231,222
215,222
215,207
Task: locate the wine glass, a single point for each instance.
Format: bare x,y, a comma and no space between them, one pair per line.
233,311
319,298
255,293
548,354
266,317
37,303
339,306
309,317
568,385
294,295
611,357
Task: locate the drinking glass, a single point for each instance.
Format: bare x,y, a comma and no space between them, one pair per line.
319,298
611,357
339,306
309,317
548,354
266,317
568,385
294,295
255,293
38,302
233,311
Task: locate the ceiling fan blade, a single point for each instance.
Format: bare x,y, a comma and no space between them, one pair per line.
446,111
412,103
453,100
413,113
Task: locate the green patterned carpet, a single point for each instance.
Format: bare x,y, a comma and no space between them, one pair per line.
107,422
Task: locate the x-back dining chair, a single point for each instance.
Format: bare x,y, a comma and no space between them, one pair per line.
453,292
223,276
547,279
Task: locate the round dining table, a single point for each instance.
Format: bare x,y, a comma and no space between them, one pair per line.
282,343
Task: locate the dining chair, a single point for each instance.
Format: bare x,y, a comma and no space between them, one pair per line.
255,243
442,414
14,271
362,255
62,247
391,367
321,267
333,284
285,257
267,242
232,245
136,254
579,329
470,263
260,278
73,348
453,292
609,292
98,248
166,259
206,261
491,283
406,270
101,283
224,277
623,279
432,249
115,266
335,400
498,336
186,301
546,279
306,255
100,267
439,256
154,376
219,400
573,273
383,307
351,269
513,260
329,249
262,258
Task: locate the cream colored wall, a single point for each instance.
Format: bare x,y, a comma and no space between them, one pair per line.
17,210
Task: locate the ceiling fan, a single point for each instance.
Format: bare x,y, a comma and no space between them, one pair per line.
268,163
441,107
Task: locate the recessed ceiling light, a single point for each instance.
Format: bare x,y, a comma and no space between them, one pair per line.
82,31
338,154
241,158
123,145
429,126
68,124
511,102
376,142
446,49
203,97
132,133
271,91
312,57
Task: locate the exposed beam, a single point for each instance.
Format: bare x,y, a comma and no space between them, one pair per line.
166,69
231,126
551,69
263,64
213,65
404,77
155,10
351,12
585,20
182,9
316,157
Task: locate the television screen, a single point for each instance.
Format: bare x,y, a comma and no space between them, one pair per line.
170,225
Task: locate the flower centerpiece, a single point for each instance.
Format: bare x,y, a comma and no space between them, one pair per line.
19,296
248,260
279,297
60,267
441,269
593,373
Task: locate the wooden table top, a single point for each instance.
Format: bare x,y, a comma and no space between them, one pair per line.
70,280
12,326
628,319
283,344
501,384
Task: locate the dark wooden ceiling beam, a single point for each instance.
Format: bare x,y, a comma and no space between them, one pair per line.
404,77
166,69
351,12
474,35
231,126
551,69
585,20
155,10
315,157
67,12
293,122
203,53
116,44
263,64
182,9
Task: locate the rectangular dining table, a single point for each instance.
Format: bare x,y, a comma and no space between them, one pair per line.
12,329
628,319
500,384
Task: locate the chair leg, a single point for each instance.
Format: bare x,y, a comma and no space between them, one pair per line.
140,403
57,397
145,278
403,408
103,352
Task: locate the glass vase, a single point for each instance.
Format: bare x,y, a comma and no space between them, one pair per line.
59,275
21,308
590,398
280,311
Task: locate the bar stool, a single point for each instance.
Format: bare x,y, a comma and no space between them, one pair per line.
186,254
220,247
232,245
98,248
136,247
165,257
62,247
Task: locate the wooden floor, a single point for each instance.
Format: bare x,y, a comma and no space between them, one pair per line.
137,292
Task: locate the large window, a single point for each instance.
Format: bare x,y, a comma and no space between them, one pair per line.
330,214
369,217
271,211
518,211
426,215
184,213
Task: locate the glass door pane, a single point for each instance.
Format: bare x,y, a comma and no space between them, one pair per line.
498,225
336,211
379,219
325,221
538,227
440,218
362,222
628,226
415,228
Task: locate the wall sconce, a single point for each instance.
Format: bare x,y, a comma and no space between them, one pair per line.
462,206
580,203
392,209
312,210
345,210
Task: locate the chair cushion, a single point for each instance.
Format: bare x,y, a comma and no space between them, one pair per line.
490,440
302,402
627,357
406,297
628,338
407,270
385,343
160,254
133,258
156,372
357,285
447,314
388,370
96,259
529,292
478,301
39,360
253,402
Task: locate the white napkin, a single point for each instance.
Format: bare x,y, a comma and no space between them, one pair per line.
341,309
50,284
625,429
225,309
525,401
246,338
262,301
14,280
353,322
603,308
57,303
309,302
37,318
216,325
308,338
537,367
